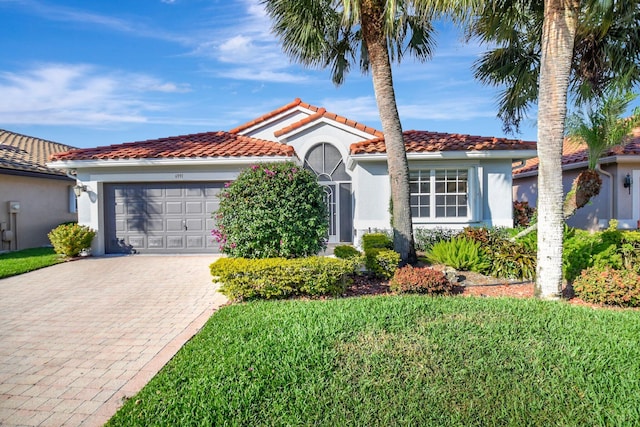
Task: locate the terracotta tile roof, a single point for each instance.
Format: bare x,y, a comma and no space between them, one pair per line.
318,113
28,154
575,151
423,141
209,144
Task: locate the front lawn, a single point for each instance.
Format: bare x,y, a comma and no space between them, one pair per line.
18,262
401,360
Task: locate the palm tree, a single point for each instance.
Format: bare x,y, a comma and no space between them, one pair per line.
587,46
601,127
335,34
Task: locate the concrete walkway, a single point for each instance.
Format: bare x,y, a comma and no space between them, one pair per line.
79,337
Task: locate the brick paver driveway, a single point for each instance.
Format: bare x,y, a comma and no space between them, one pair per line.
78,337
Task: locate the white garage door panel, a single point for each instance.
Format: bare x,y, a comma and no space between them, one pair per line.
161,217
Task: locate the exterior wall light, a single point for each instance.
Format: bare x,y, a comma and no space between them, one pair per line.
79,189
628,182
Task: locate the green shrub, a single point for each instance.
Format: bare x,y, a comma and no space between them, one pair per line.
272,210
71,239
382,262
511,260
461,254
376,240
425,238
609,248
423,280
608,286
346,252
244,279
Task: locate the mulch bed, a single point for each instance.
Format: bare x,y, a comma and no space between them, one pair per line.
469,284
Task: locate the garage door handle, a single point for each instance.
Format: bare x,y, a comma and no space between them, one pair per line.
184,224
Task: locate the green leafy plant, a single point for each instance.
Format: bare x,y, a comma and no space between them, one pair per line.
272,210
71,239
461,254
244,279
609,286
511,260
422,280
346,252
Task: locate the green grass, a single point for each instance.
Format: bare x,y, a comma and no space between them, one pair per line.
407,360
18,262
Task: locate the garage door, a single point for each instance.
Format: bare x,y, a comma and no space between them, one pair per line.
160,217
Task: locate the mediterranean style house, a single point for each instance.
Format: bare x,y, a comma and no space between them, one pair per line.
33,198
157,196
619,197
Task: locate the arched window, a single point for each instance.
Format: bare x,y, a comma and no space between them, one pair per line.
326,162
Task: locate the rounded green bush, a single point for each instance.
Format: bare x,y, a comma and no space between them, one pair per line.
272,210
608,286
70,239
345,252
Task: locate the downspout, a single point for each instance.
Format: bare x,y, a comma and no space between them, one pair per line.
610,201
72,173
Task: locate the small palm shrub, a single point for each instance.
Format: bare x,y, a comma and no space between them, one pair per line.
461,254
608,286
270,278
272,210
346,252
422,280
70,239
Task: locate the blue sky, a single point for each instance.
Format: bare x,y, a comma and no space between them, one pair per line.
89,73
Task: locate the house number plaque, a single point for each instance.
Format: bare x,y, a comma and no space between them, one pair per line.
179,176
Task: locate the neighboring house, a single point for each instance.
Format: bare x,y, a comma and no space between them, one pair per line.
158,195
33,198
619,197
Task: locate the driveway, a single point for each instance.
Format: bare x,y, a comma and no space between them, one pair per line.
79,337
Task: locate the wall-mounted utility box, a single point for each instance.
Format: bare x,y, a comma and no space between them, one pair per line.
14,207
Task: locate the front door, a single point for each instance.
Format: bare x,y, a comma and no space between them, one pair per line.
326,162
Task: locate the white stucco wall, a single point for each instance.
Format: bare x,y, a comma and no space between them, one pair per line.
489,187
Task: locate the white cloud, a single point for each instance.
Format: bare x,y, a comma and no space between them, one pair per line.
462,108
262,75
361,108
64,94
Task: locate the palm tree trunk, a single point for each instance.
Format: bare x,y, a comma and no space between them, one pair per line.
376,42
558,35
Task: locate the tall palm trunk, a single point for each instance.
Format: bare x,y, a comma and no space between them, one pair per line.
372,19
558,35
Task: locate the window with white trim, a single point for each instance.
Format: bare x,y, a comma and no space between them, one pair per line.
439,193
73,200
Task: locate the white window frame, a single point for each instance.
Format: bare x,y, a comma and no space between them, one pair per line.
432,218
73,200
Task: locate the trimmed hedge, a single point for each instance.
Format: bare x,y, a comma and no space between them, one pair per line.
346,252
244,279
380,258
